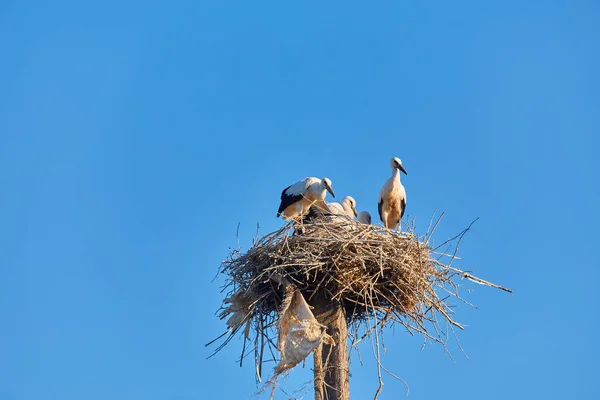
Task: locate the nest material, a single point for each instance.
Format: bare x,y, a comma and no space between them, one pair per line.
361,267
376,274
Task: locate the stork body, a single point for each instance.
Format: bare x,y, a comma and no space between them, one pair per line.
336,208
392,197
348,207
364,217
296,199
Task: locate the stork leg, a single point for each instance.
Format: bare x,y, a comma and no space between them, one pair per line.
384,218
300,218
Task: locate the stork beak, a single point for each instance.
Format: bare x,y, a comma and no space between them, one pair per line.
401,168
330,190
355,213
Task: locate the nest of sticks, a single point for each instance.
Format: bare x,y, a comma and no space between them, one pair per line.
379,276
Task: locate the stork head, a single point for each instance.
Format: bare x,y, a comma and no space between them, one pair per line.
327,185
352,203
396,163
364,217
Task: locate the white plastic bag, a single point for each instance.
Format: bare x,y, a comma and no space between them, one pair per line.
299,331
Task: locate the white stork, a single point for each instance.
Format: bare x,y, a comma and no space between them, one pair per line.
392,197
296,199
348,207
364,217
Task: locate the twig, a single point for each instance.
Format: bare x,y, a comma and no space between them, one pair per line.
486,283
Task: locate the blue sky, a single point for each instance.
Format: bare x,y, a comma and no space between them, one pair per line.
135,136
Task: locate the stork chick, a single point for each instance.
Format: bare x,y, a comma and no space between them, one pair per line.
348,207
364,217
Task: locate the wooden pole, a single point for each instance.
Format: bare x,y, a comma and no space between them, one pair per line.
331,362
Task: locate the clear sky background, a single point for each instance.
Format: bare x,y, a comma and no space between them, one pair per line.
136,135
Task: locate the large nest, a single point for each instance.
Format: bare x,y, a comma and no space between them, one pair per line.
377,275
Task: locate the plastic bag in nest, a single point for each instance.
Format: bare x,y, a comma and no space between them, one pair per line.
299,331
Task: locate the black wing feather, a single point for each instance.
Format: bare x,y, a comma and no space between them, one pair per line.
403,205
287,200
379,207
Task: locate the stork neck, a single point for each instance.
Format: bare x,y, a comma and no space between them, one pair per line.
396,173
322,192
